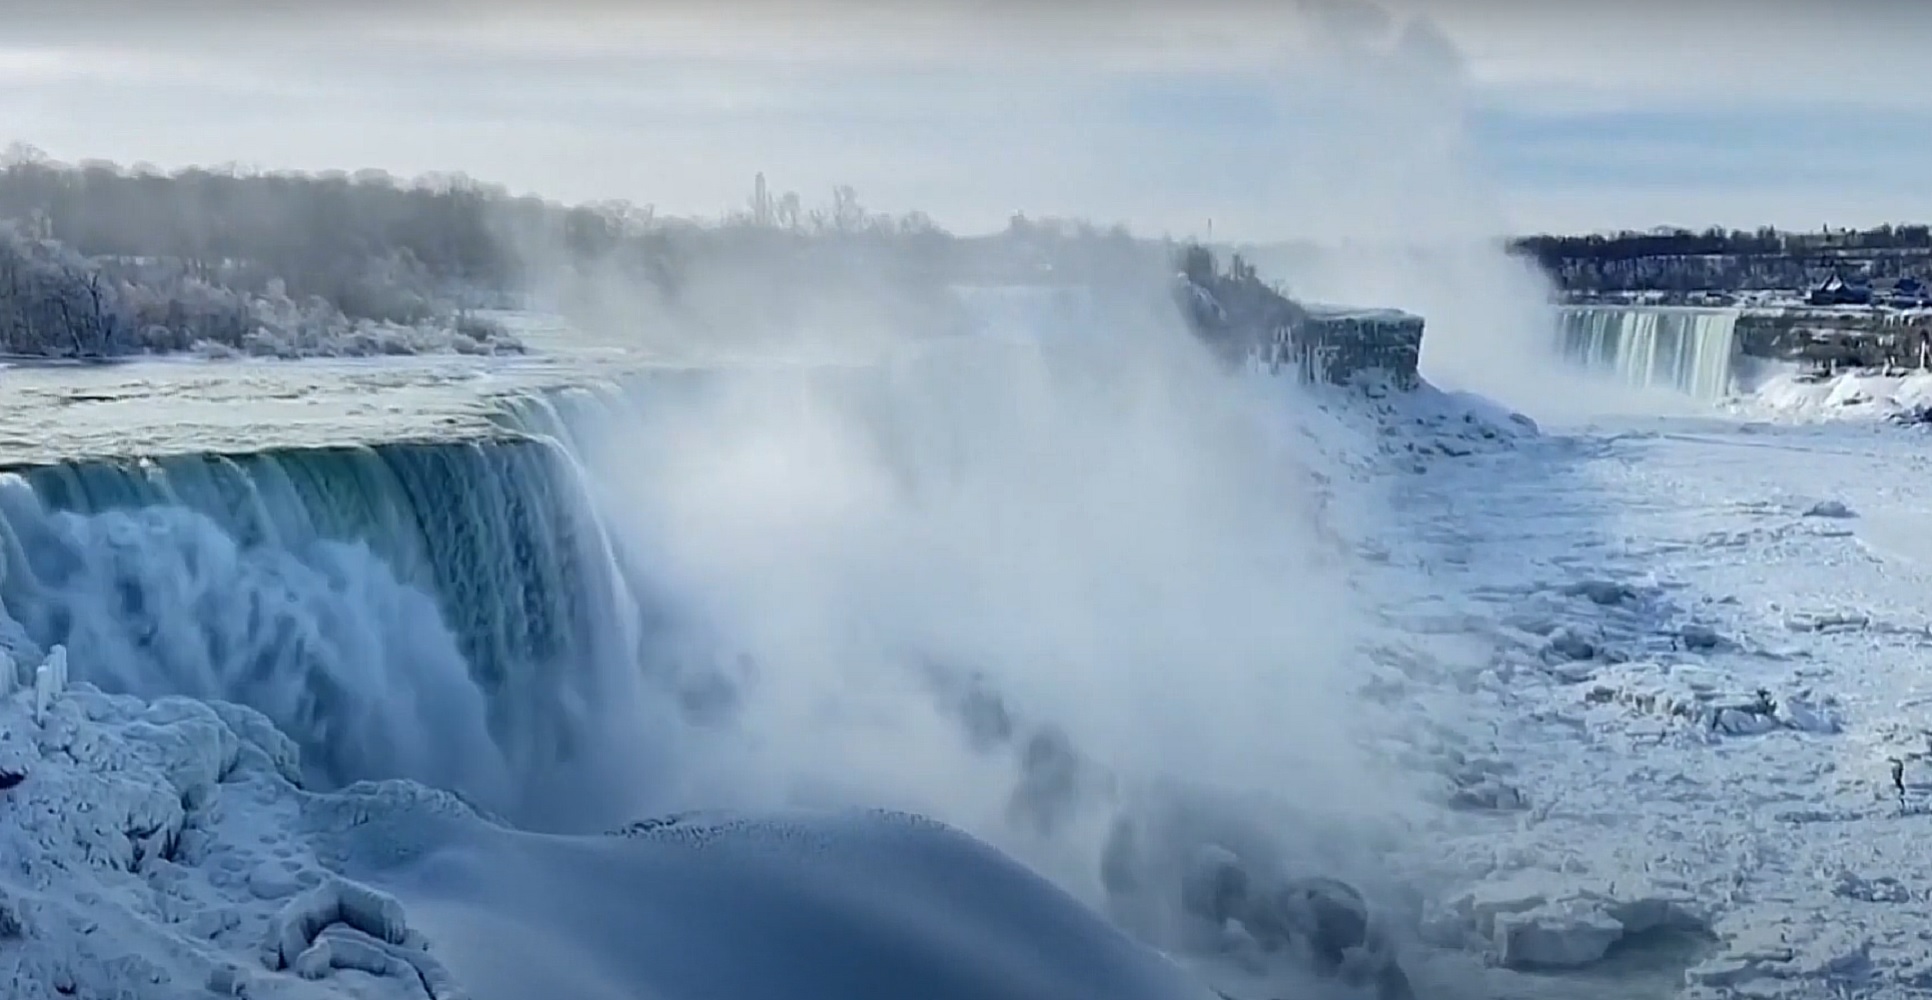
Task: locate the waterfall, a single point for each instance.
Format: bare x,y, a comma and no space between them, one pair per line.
447,611
1690,350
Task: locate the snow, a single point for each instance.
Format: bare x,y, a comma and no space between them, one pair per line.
1858,394
1330,311
163,848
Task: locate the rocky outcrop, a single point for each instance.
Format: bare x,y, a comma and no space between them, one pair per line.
1248,321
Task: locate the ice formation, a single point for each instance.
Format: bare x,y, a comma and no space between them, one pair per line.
164,849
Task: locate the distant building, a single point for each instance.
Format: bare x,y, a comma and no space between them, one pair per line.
1836,291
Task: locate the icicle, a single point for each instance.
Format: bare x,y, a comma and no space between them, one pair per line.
49,680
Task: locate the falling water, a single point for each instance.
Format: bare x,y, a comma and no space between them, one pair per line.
1690,350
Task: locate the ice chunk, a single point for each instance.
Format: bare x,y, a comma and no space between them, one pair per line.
1604,592
1801,715
1743,722
1534,920
1700,638
1565,936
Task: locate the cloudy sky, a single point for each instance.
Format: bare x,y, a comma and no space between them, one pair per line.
1273,118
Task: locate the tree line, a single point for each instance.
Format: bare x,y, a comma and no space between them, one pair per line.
1716,241
97,258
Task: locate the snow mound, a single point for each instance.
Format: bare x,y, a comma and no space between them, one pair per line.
1427,421
1863,394
1372,425
163,849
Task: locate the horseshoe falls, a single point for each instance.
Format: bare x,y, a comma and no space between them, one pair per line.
1689,350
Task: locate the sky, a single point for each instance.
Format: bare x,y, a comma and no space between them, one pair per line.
1249,119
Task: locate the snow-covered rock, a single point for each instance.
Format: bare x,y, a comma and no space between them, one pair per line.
1372,425
1244,904
1701,638
1829,508
1604,592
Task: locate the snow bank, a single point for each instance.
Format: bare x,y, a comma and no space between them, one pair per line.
1372,426
1854,395
161,849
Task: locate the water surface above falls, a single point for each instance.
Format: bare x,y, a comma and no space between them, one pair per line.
176,406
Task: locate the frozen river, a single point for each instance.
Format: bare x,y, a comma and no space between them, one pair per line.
1587,605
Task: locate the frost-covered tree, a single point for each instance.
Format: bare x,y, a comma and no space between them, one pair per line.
56,303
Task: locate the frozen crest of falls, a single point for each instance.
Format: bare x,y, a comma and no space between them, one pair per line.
1689,350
